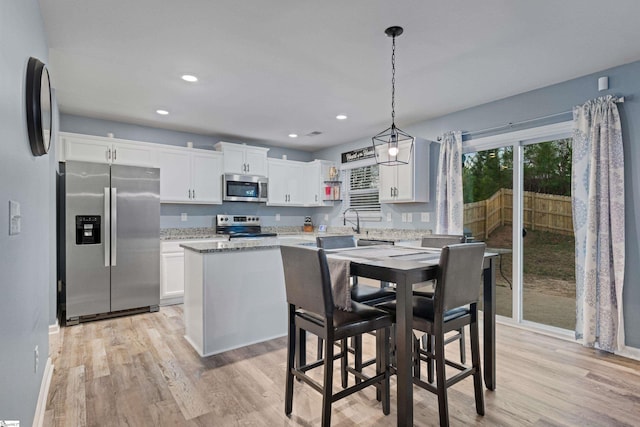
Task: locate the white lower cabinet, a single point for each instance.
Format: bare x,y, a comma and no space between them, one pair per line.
172,270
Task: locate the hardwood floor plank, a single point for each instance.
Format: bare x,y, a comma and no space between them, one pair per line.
140,371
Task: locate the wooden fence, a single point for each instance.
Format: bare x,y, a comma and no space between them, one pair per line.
546,212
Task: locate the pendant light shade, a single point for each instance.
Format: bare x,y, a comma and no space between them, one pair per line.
393,146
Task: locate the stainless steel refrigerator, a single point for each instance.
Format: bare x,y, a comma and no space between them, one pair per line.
109,234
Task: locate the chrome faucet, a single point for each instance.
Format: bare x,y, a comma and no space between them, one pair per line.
356,229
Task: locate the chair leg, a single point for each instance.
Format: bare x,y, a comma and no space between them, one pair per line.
416,357
301,347
430,359
357,346
291,351
327,391
319,352
463,355
382,365
344,363
475,360
441,380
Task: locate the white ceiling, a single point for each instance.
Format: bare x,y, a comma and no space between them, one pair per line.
270,68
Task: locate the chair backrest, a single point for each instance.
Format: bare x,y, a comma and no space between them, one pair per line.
307,280
441,240
336,242
459,277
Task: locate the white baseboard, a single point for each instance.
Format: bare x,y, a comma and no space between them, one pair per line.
38,419
54,329
630,352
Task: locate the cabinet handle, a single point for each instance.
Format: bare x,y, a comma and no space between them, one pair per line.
316,197
109,154
194,193
114,153
248,167
189,193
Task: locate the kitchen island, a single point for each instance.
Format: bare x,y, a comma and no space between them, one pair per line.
234,294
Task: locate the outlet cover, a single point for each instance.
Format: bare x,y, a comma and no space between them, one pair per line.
277,217
404,217
388,216
326,217
424,217
184,216
409,217
14,218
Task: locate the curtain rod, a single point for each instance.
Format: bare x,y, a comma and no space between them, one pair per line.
512,124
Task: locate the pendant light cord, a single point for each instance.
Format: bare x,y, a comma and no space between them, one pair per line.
393,82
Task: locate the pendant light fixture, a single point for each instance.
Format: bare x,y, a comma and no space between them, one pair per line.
393,146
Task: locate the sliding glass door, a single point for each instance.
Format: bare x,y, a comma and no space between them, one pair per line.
517,199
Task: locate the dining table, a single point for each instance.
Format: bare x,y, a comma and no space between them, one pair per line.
406,266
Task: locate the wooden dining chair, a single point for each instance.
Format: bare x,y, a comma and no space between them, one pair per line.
453,306
311,308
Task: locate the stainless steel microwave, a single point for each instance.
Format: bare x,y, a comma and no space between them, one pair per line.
244,188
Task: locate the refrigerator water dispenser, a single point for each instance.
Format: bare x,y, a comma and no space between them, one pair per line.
87,229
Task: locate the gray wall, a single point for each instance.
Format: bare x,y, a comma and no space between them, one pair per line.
623,80
25,259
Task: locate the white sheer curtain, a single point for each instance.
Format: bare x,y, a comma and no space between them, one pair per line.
449,203
598,219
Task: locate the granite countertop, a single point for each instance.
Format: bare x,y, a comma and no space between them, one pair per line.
388,234
229,246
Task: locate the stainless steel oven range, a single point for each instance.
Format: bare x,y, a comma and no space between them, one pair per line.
240,226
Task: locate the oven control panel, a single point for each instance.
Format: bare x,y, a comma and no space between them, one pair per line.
235,220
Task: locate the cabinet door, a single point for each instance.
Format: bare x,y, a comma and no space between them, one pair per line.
405,176
234,160
313,193
206,177
175,177
296,184
278,183
172,274
87,150
387,175
132,154
256,161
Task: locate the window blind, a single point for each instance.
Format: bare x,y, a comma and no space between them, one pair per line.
363,193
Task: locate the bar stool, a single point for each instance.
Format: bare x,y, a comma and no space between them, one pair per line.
453,306
311,308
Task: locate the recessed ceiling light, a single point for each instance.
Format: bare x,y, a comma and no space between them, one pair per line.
162,112
293,135
341,117
189,78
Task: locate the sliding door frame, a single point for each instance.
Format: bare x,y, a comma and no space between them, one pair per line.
518,140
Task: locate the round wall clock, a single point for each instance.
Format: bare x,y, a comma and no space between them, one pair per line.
38,107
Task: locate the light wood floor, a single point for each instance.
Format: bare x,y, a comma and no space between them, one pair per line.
140,371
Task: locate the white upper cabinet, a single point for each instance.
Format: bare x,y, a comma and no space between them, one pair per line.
286,183
189,175
320,185
406,183
98,149
243,159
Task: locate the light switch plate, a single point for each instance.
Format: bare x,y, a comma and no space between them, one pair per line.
424,217
14,218
404,217
409,217
277,217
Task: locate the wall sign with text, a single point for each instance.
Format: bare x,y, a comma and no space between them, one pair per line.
359,154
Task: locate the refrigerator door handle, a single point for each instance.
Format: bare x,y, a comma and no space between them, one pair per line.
114,225
107,220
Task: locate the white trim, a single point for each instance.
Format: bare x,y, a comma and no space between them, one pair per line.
517,219
526,136
629,352
54,329
41,406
